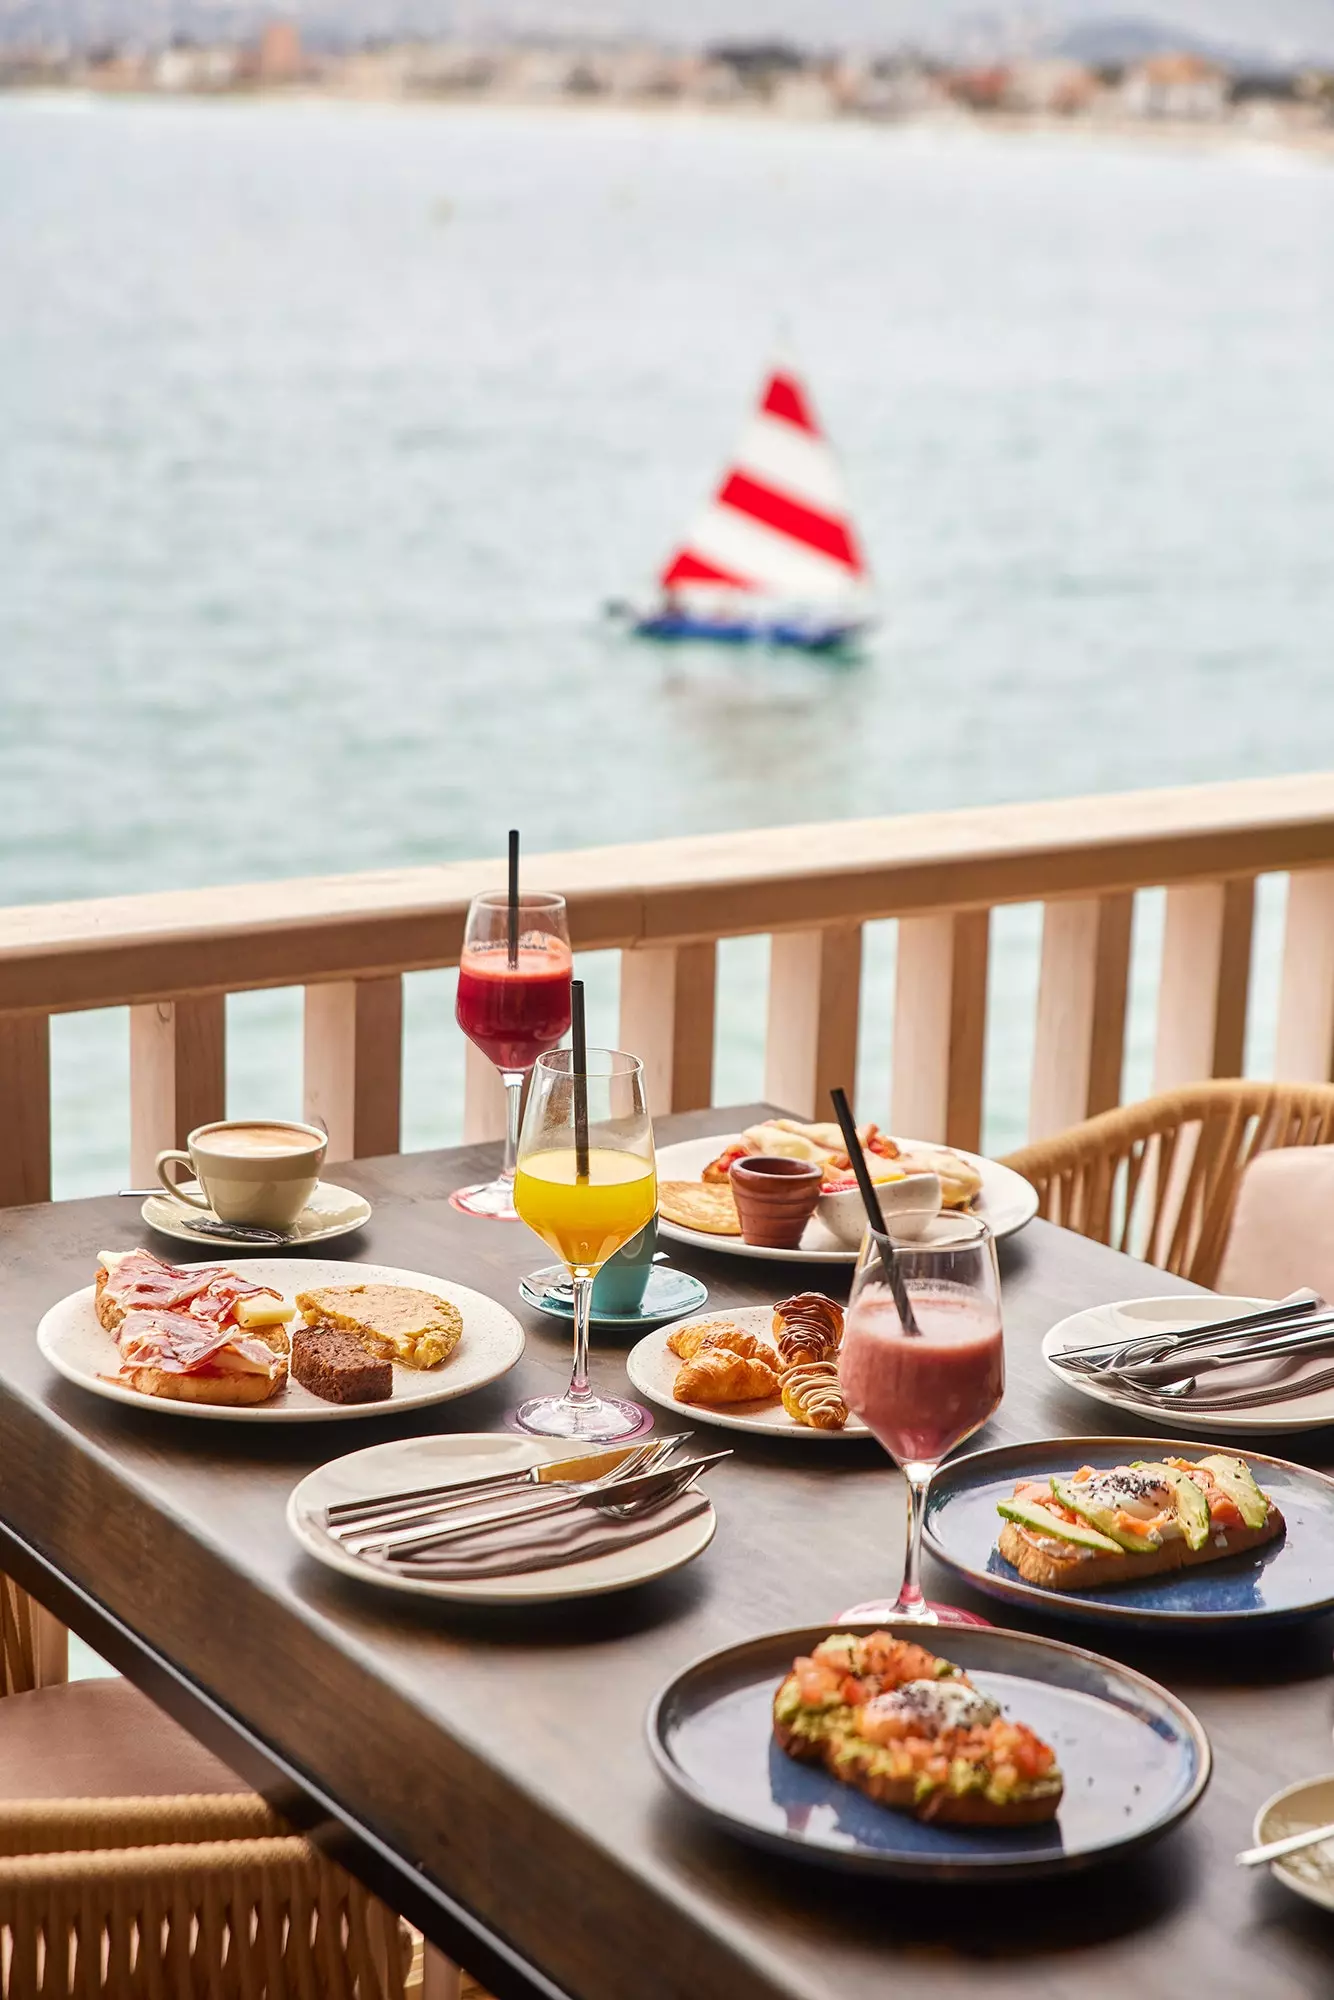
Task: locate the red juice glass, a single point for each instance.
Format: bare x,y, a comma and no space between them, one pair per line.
923,1392
513,1010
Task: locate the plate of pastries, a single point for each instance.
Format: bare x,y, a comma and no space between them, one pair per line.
772,1369
277,1339
696,1203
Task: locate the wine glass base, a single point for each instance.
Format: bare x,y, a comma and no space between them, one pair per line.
600,1420
493,1200
882,1613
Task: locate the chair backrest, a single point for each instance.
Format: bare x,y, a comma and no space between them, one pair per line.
133,1899
1159,1179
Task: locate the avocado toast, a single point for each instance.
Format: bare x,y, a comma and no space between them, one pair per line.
1094,1530
912,1732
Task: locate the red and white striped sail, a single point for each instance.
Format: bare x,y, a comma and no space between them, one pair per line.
779,522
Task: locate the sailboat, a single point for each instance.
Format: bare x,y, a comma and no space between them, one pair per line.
774,558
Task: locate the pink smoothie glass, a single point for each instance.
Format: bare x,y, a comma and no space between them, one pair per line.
923,1392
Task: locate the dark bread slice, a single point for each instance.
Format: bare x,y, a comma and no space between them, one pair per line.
941,1806
1049,1572
337,1368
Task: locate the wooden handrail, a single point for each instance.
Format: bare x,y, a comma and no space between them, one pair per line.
55,957
665,905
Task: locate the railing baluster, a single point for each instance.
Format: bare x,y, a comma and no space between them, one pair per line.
354,1064
810,1041
940,1014
668,997
177,1074
1304,1052
25,1108
1081,1023
1204,982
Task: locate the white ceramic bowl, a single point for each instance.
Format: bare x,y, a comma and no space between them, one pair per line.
909,1206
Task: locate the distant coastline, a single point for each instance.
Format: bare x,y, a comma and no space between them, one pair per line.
1177,97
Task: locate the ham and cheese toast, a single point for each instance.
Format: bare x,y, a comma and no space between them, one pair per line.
911,1731
193,1333
1095,1530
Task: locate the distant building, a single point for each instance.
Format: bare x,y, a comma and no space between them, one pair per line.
280,58
1057,87
982,89
1175,86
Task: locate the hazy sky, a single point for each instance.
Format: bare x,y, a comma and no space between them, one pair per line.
1277,26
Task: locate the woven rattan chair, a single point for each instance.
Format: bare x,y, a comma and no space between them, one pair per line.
1160,1179
194,1888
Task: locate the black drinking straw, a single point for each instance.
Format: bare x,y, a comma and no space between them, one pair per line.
580,1072
875,1215
513,913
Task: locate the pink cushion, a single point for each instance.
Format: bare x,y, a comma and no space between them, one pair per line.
1282,1232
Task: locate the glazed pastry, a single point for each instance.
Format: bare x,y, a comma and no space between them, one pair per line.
811,1396
718,1376
807,1327
688,1341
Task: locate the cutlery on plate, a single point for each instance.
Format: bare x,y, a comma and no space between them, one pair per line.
361,1535
583,1468
624,1497
1295,1306
1292,1843
1201,1361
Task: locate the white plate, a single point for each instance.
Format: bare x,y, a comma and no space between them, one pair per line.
331,1211
439,1461
492,1341
1126,1318
1308,1803
652,1367
1006,1202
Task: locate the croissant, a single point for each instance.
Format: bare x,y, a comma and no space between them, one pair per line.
807,1327
688,1341
717,1376
812,1396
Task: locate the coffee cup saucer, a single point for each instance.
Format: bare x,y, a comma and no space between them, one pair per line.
668,1294
331,1211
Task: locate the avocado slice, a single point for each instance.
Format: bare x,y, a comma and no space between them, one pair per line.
1234,1476
1025,1514
1101,1518
1192,1507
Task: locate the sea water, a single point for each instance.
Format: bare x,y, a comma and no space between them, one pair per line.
327,430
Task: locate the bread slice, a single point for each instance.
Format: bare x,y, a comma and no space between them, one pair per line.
395,1322
1096,1572
169,1386
850,1759
337,1368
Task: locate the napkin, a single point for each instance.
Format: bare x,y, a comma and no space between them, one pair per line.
519,1548
1294,1374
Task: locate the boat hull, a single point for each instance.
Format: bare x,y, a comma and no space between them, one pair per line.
806,636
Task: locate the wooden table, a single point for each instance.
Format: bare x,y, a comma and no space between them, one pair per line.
487,1772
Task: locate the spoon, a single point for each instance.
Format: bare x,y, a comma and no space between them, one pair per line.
1293,1843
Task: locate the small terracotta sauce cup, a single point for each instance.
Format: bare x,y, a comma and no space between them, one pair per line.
775,1199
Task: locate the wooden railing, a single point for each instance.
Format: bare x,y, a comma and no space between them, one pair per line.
172,957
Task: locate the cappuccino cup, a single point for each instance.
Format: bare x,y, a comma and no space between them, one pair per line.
249,1169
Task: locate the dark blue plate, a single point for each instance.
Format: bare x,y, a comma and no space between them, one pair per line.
1134,1758
1288,1579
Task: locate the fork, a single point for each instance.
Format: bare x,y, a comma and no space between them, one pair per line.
346,1516
393,1530
643,1491
1152,1374
1080,1360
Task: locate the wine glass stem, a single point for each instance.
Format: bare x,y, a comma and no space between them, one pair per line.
578,1391
513,1081
911,1603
